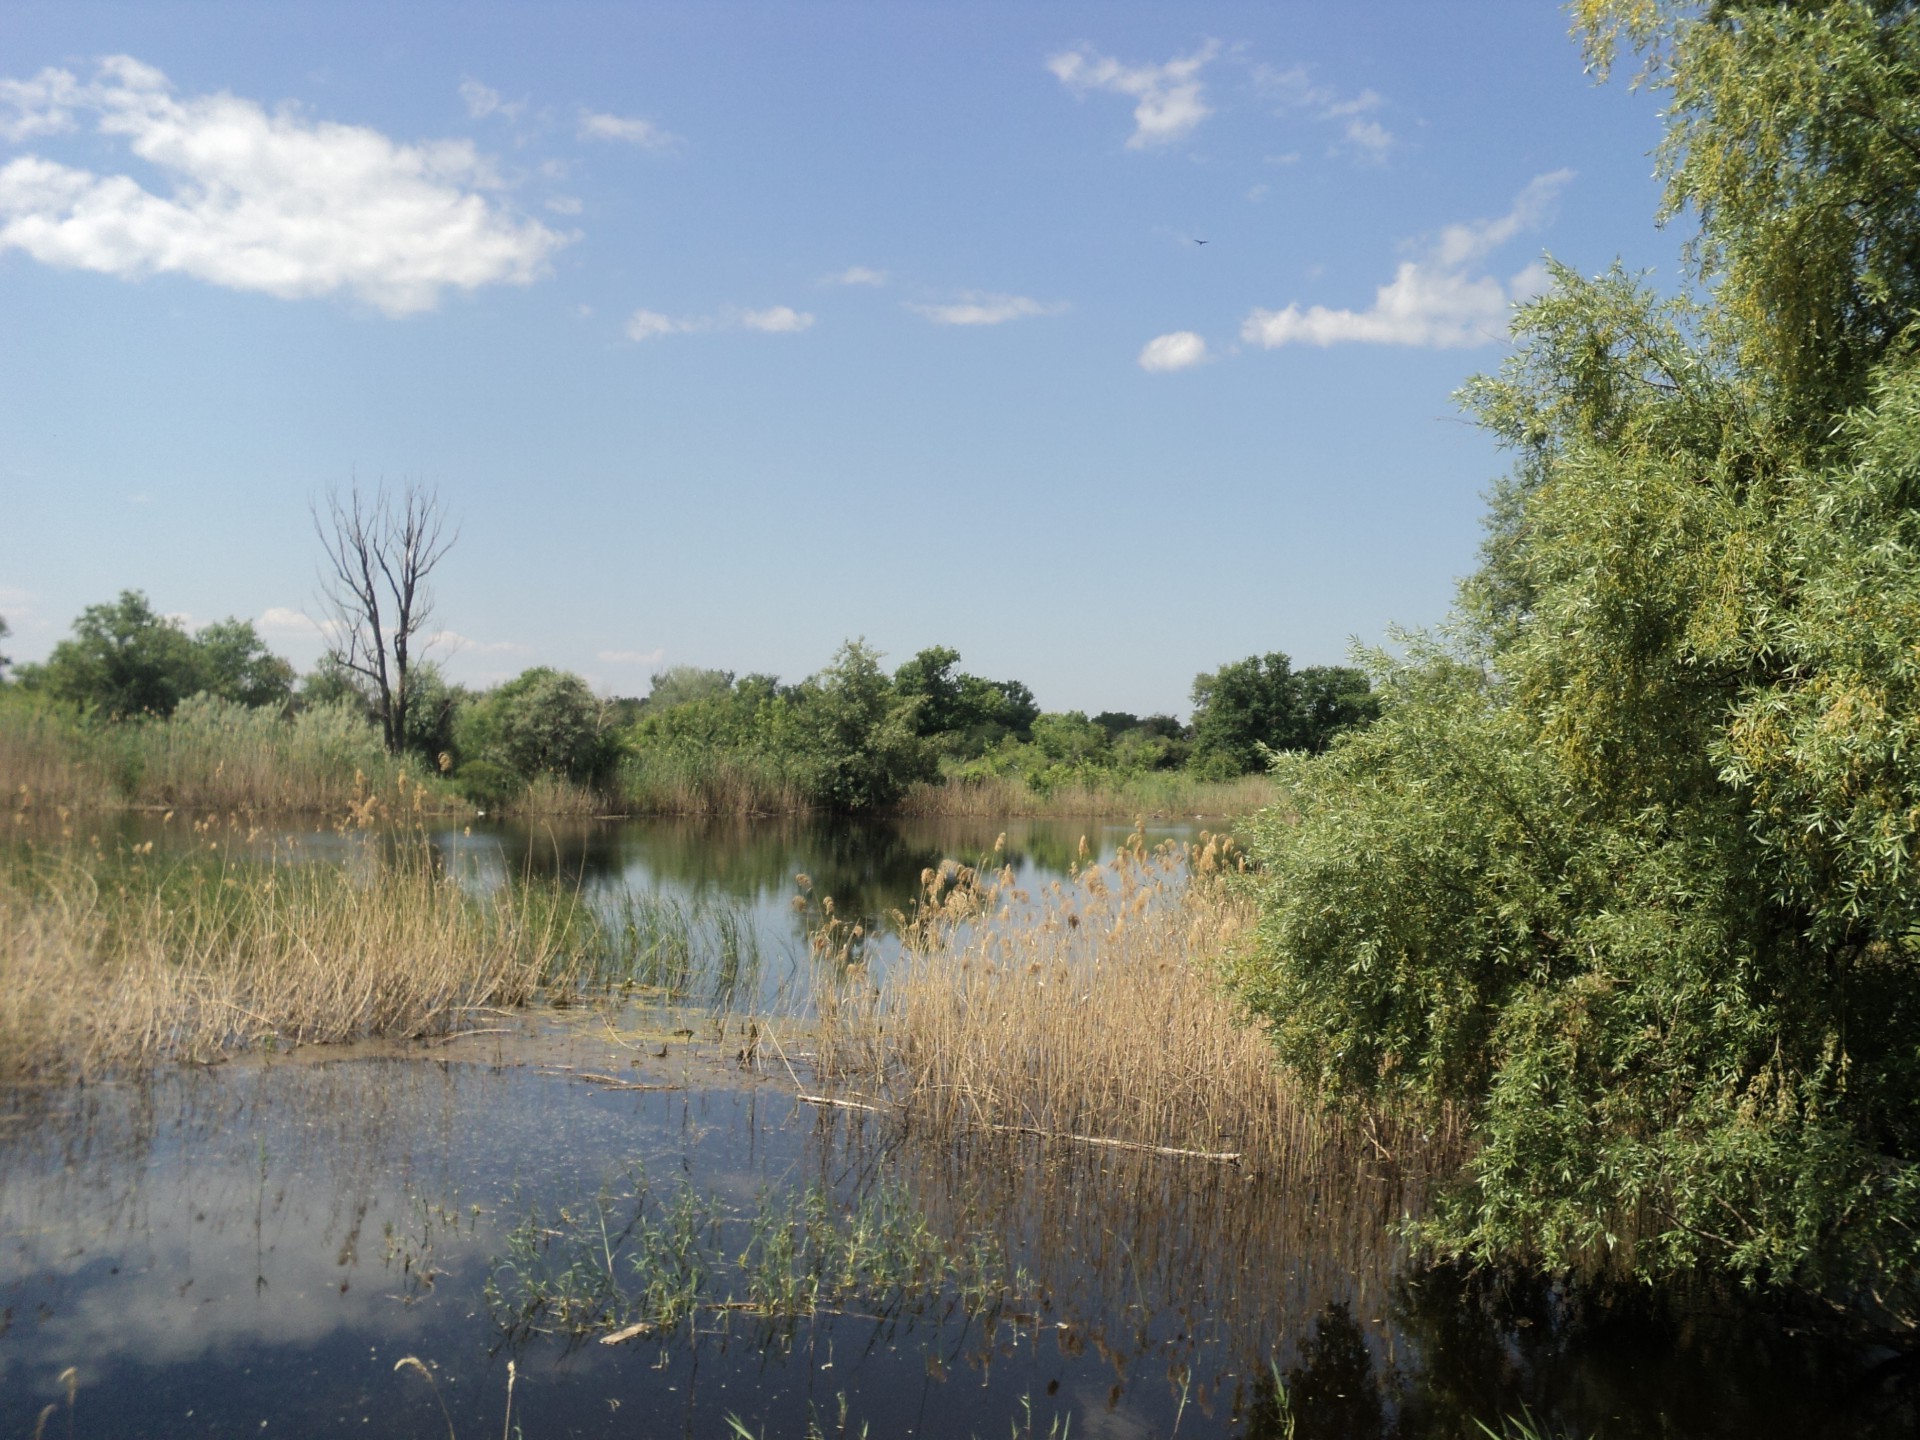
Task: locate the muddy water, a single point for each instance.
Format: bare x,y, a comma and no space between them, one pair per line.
253,1248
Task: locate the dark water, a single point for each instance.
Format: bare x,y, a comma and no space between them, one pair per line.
251,1249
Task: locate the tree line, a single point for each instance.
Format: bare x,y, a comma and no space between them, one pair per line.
851,737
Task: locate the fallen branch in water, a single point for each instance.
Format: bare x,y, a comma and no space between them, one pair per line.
609,1082
1220,1157
840,1104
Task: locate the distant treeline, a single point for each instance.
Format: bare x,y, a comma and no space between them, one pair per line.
851,738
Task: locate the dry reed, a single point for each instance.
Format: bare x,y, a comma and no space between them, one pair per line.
110,961
1093,1009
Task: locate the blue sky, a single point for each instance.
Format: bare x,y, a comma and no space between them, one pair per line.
731,331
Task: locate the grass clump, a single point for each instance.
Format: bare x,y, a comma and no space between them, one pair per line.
636,1262
1092,1010
125,959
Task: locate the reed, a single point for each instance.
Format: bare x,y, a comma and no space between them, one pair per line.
122,960
1159,793
1092,1010
208,755
710,782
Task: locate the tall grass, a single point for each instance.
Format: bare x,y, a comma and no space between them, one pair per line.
1092,1010
209,754
120,960
1157,793
679,781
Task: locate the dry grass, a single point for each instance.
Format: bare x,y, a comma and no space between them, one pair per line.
1091,1009
1159,794
111,961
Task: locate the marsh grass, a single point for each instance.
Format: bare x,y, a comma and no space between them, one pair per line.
632,1261
209,755
710,782
1092,1009
130,959
1157,793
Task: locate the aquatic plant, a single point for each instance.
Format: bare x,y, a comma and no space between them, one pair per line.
127,957
1092,1012
628,1262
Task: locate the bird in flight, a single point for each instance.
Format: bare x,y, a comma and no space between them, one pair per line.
1199,242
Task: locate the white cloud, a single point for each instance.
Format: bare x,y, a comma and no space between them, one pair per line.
43,105
265,202
564,205
284,621
629,130
453,640
1435,301
1296,89
856,275
1369,138
1178,351
645,324
1171,98
632,657
978,308
774,320
483,100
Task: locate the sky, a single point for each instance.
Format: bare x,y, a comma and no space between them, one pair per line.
728,332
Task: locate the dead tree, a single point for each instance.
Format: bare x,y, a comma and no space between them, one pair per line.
379,555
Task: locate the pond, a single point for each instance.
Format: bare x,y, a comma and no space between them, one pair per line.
417,1239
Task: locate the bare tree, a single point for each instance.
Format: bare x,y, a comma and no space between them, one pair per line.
379,555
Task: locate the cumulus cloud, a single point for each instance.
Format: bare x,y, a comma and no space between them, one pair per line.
774,320
1178,351
1170,98
633,657
856,275
266,202
1436,301
629,130
43,105
979,308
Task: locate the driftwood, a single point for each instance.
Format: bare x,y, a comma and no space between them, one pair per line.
1217,1157
606,1082
839,1104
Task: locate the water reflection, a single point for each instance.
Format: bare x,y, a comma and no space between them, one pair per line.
262,1241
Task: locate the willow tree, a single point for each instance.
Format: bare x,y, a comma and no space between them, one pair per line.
1626,871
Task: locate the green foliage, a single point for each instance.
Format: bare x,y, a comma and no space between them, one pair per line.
1245,710
680,684
124,660
861,735
1626,870
963,714
236,665
542,722
5,660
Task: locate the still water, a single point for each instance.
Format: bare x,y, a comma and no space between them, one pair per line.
257,1248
